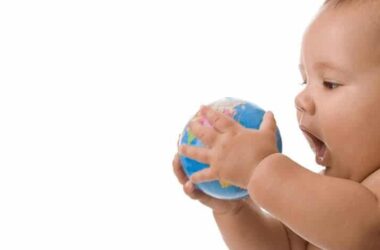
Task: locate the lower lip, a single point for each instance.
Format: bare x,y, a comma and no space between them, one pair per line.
320,156
320,153
320,160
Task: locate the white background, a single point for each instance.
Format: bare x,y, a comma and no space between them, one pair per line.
93,96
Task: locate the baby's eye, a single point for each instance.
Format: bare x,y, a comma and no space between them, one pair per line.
330,85
303,82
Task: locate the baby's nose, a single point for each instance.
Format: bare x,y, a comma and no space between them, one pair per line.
305,103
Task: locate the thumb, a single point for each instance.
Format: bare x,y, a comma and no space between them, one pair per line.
268,123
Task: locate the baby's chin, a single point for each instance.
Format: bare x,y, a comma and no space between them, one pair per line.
337,172
332,172
326,171
345,170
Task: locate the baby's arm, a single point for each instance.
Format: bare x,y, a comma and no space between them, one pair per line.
251,228
242,224
329,212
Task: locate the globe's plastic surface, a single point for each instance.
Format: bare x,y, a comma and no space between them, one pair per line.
247,114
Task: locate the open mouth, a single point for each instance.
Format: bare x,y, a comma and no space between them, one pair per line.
318,146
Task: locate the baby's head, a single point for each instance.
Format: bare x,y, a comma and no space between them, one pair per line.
338,109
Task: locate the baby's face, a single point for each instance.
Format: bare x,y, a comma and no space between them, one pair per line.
339,107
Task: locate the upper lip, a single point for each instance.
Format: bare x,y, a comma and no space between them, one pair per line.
315,138
307,131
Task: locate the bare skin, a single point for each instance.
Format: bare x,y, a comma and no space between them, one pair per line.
338,113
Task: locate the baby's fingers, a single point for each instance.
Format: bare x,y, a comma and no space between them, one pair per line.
269,122
217,205
191,191
206,134
199,154
221,122
197,194
207,174
178,171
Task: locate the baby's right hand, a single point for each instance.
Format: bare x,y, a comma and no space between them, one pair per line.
217,205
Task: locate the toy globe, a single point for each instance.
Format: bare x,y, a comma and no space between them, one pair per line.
247,114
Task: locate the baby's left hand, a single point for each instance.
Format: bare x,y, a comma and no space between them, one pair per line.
231,150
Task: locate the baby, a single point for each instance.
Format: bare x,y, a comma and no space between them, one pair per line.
338,112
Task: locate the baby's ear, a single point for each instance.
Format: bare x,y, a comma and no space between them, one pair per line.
268,123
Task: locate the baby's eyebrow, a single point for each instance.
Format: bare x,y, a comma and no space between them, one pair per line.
328,65
323,65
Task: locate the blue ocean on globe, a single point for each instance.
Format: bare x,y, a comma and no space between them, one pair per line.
247,114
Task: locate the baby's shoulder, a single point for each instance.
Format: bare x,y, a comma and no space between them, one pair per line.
372,182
